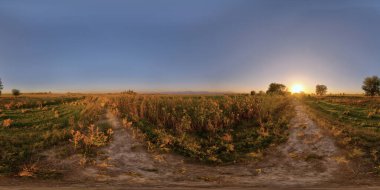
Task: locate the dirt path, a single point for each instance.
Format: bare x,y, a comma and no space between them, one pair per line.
308,159
125,159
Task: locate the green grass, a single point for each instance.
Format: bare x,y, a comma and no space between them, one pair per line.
354,114
34,130
348,117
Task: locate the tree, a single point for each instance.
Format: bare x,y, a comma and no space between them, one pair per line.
1,86
276,88
261,93
321,89
253,93
129,92
16,92
371,86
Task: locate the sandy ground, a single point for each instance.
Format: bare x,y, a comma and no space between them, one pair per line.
308,159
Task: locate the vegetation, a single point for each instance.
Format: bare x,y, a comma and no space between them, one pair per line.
261,93
371,86
16,92
31,125
209,128
130,92
213,129
321,90
354,120
1,86
92,130
277,89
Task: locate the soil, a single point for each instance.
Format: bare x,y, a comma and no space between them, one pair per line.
309,158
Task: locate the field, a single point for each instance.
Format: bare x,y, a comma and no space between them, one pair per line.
354,121
200,139
213,128
30,125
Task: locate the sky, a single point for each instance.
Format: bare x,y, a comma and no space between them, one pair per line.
178,45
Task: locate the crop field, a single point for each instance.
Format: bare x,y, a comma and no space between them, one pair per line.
209,128
213,129
127,137
354,120
30,125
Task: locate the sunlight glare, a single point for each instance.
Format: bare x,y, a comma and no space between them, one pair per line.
297,88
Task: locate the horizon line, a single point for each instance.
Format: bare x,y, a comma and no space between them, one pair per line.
164,92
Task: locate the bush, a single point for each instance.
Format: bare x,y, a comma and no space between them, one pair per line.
16,92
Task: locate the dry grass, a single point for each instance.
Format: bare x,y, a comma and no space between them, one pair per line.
7,122
209,128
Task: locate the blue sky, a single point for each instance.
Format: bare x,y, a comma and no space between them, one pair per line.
175,45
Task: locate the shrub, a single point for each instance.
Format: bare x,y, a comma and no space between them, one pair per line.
93,137
7,122
16,92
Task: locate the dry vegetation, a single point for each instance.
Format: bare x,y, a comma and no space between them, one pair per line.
208,128
32,124
219,129
213,129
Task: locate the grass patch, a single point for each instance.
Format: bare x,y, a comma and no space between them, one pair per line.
35,130
49,122
349,121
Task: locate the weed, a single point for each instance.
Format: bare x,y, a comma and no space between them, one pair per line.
28,170
7,122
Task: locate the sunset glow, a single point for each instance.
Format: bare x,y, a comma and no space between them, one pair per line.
297,88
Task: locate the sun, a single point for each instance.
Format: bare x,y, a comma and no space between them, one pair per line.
297,88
